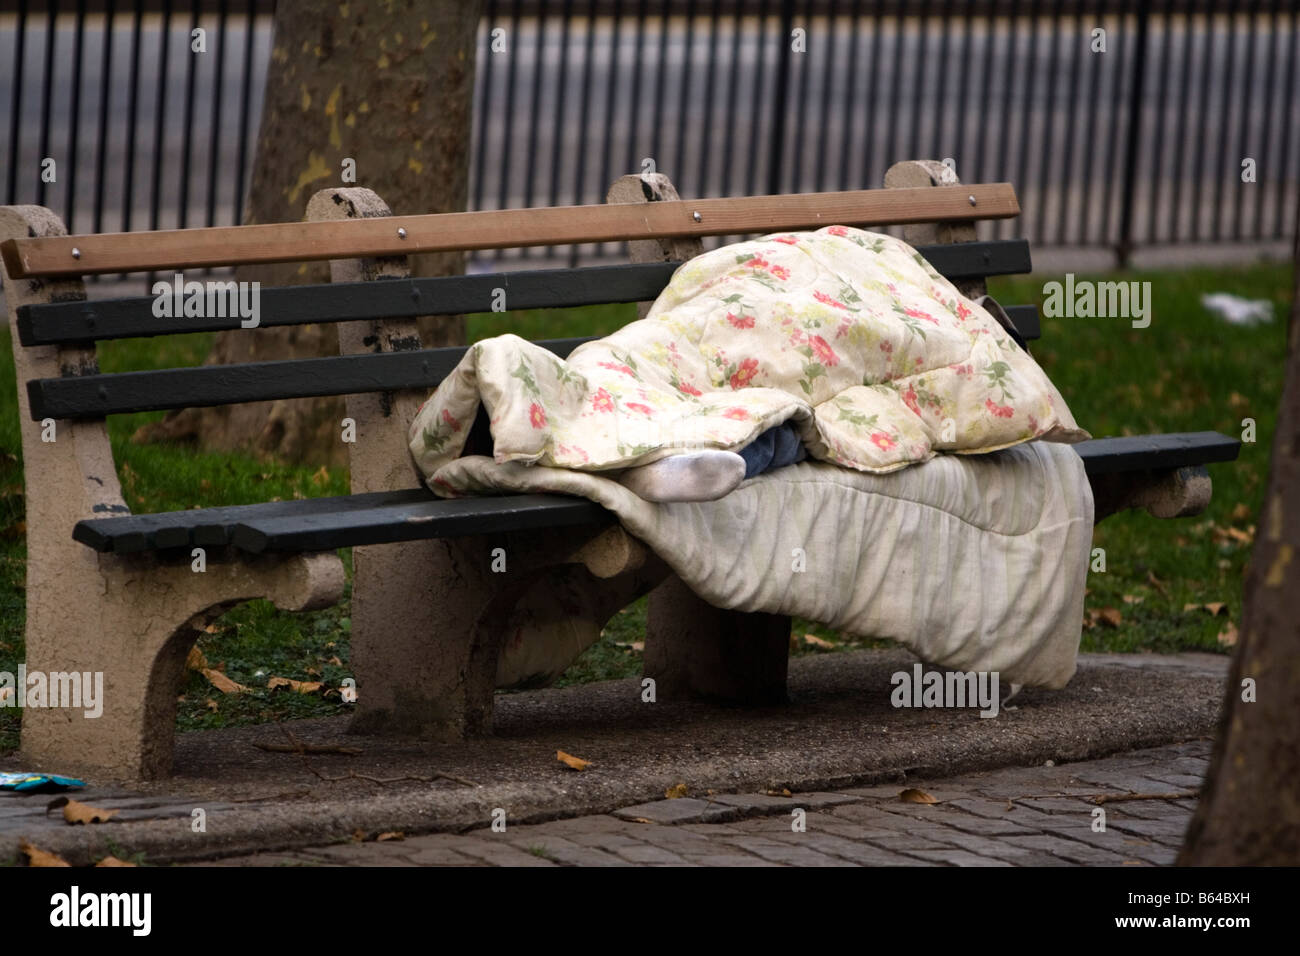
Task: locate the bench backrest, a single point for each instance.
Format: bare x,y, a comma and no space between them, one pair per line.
365,243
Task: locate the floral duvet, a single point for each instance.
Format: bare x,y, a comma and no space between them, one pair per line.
879,361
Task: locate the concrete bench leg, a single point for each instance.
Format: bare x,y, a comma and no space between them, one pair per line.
429,618
439,682
134,622
695,650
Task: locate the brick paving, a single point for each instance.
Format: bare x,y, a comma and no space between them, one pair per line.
1035,816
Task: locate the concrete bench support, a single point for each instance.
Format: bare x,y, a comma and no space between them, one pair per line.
693,649
131,619
430,618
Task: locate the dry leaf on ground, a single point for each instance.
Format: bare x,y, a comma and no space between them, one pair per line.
1228,636
297,686
38,857
113,861
390,835
572,762
812,640
76,812
912,795
675,792
1111,616
196,661
223,683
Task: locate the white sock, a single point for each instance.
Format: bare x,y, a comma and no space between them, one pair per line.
691,476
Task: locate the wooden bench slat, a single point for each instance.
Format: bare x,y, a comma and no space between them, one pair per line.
107,319
497,229
433,518
1026,321
386,298
1156,452
96,396
322,524
213,527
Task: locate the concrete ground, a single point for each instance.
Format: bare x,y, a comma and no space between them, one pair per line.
838,734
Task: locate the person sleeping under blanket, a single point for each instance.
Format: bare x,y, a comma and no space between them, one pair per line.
840,345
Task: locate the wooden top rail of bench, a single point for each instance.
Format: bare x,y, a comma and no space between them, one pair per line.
493,229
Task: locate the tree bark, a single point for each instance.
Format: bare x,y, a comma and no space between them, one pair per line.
389,84
1249,813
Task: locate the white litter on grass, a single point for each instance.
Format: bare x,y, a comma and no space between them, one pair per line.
1238,311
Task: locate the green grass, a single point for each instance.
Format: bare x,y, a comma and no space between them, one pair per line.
1187,372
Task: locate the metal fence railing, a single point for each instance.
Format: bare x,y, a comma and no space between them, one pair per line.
1143,144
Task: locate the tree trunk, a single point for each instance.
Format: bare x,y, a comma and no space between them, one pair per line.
1249,813
389,84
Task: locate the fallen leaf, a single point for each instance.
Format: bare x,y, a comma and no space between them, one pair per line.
675,792
223,683
77,812
1133,599
912,795
1110,616
390,835
335,661
779,793
297,686
812,640
37,857
569,760
196,661
210,704
321,477
6,693
1228,636
641,820
358,835
1157,583
113,861
1241,512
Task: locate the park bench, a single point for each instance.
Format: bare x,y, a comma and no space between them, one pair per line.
115,592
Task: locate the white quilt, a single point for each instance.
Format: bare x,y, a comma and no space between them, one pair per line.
973,562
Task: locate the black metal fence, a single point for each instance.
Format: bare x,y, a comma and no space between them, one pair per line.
1177,122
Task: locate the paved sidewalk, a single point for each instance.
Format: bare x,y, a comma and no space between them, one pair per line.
1038,816
838,731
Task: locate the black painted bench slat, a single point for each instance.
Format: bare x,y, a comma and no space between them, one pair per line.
1103,456
95,396
133,317
322,524
317,524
